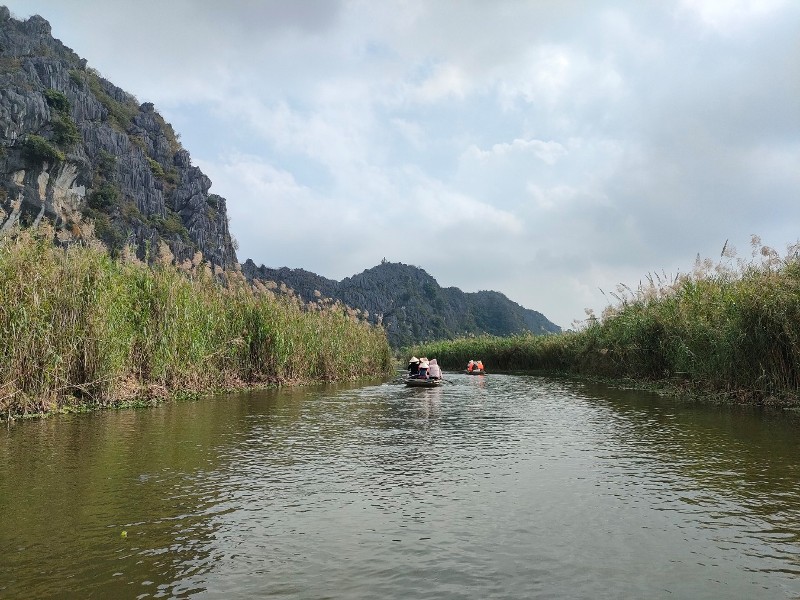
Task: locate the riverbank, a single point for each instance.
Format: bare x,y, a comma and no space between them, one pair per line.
728,332
80,330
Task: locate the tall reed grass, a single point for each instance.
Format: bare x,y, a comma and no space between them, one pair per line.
729,330
78,328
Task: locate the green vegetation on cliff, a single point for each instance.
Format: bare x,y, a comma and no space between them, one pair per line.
730,330
78,328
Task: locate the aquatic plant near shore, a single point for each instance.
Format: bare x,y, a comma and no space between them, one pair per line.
730,329
78,328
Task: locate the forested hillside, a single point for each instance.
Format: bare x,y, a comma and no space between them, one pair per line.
410,303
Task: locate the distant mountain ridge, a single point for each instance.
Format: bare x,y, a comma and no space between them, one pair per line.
410,303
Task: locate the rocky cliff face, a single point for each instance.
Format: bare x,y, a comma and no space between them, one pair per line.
410,304
76,149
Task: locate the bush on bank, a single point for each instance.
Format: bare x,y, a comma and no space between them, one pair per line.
80,329
730,330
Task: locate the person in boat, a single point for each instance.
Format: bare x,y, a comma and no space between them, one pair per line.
470,366
424,365
479,365
434,372
413,367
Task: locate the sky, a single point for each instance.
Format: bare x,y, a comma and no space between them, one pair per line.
546,149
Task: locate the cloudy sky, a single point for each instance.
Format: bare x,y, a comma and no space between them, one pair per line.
546,149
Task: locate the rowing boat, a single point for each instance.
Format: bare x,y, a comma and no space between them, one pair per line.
415,382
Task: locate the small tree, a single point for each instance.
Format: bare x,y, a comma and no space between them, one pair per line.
37,149
57,100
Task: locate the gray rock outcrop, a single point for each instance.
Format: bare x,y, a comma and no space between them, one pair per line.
78,150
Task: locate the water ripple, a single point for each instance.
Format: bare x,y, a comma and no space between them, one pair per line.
492,487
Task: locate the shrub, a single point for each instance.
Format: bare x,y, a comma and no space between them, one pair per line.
170,225
130,211
172,176
106,230
104,197
66,132
76,78
10,64
106,165
37,149
120,113
156,168
57,100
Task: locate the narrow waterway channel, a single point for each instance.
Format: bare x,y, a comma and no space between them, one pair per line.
503,486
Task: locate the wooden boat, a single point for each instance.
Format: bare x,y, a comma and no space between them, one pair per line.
476,372
430,383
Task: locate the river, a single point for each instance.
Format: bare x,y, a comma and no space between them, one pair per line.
500,486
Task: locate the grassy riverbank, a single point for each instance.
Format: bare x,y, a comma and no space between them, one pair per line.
726,331
78,329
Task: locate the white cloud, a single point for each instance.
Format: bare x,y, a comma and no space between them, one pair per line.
557,197
410,131
446,81
547,152
731,16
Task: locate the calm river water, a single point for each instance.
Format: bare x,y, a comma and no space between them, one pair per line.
503,486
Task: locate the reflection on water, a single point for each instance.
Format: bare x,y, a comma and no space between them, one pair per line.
496,486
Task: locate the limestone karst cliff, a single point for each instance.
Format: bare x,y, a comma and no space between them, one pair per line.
83,153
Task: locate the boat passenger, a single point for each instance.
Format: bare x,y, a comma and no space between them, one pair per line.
424,365
413,366
470,366
479,365
434,372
